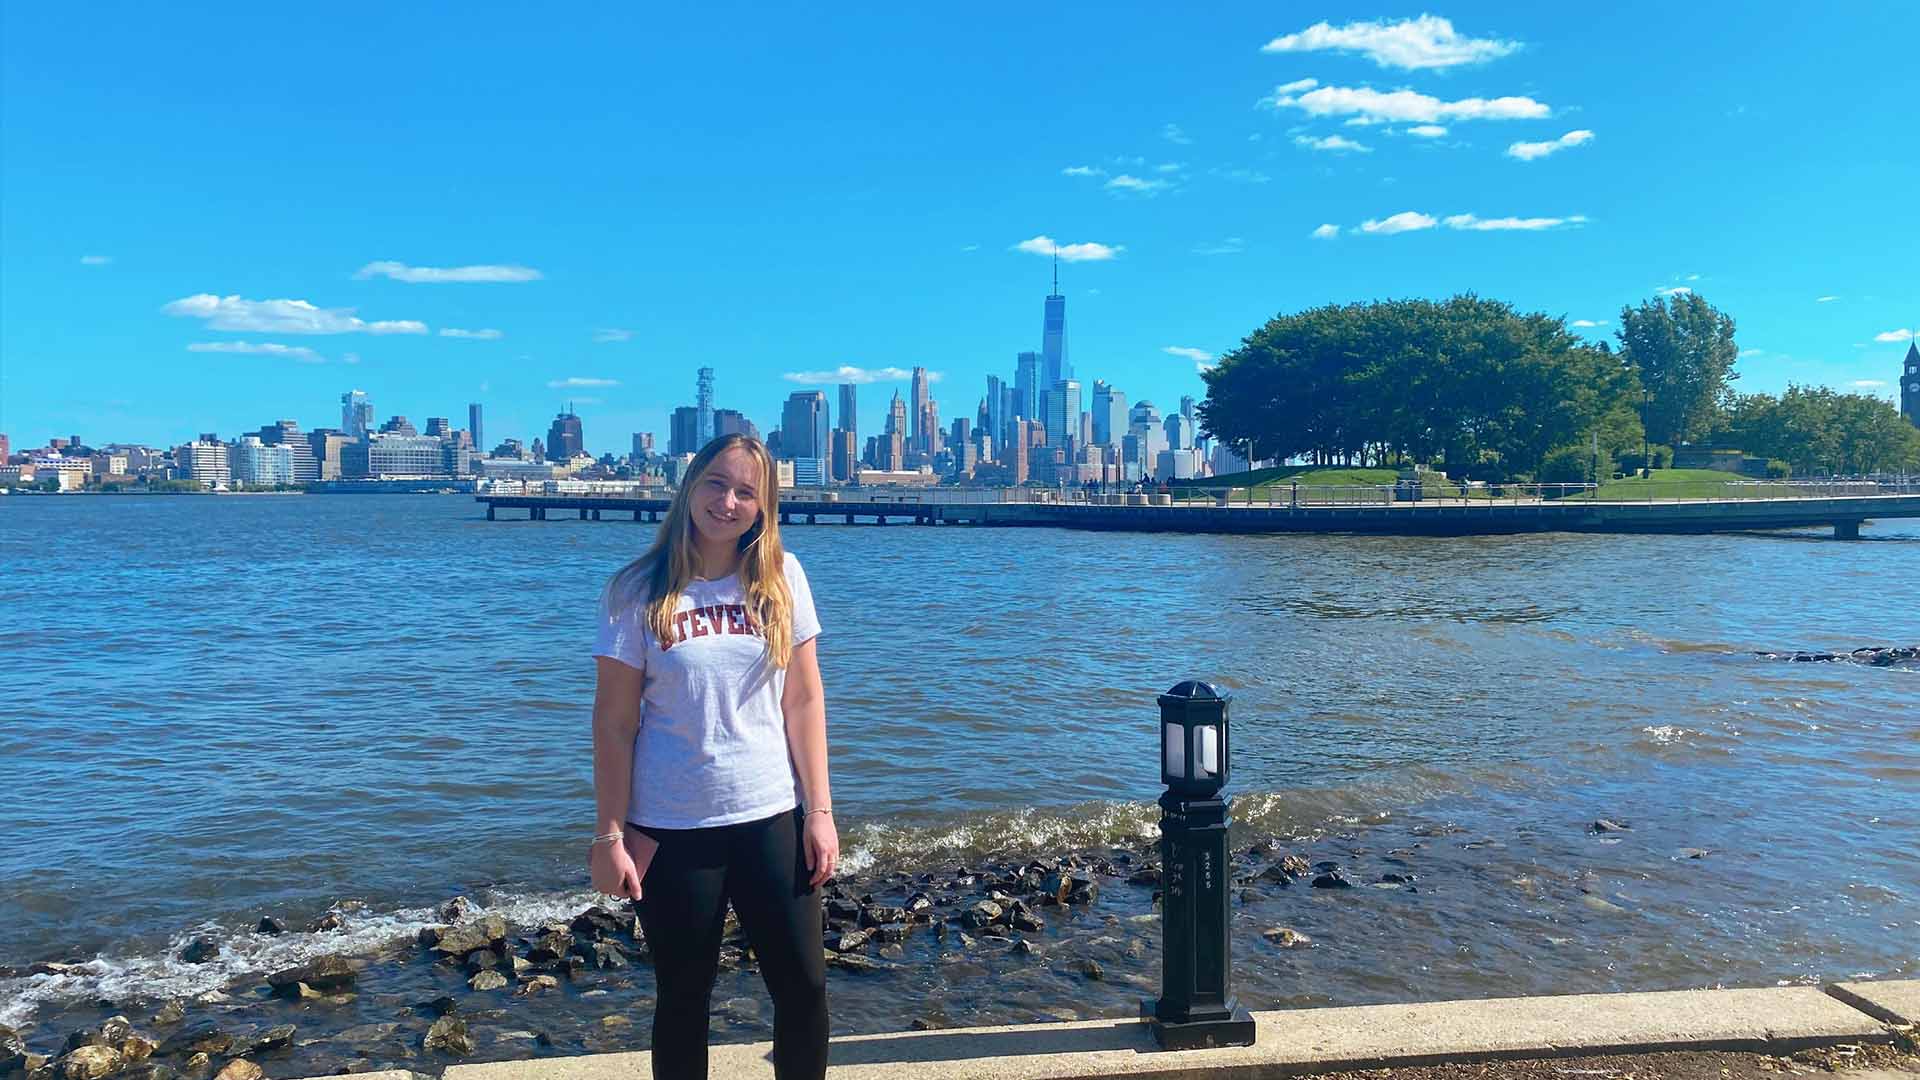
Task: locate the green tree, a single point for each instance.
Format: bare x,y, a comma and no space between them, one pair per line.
1682,349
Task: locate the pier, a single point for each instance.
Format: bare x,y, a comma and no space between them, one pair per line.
1016,508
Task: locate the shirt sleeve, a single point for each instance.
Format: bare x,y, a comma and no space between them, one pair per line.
806,622
622,634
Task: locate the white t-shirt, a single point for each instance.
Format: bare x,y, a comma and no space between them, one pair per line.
712,744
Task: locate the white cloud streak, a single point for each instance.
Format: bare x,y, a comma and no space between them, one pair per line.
1868,384
1337,143
472,335
1083,170
1136,185
1405,221
1531,151
1901,334
847,373
577,382
1369,106
1325,232
1429,41
1173,134
1087,251
611,334
1427,131
1588,324
96,260
439,275
1198,356
265,348
282,317
1676,290
1471,223
1825,299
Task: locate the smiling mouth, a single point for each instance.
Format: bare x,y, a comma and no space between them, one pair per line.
725,520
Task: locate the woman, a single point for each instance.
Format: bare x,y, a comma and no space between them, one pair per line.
710,758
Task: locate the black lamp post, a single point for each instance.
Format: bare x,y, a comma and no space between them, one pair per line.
1646,437
1196,1007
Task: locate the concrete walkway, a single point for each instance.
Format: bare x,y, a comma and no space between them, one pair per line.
1304,1041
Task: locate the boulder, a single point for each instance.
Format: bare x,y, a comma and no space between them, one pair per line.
201,950
1082,891
456,910
1332,879
890,932
981,914
448,1035
880,915
1286,937
1608,825
270,926
134,1049
479,934
330,921
205,1039
170,1013
483,981
850,941
536,985
240,1069
278,1037
327,973
919,906
1091,969
550,946
90,1062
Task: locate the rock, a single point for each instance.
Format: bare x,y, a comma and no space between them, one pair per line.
1286,937
456,910
844,910
1332,879
1296,865
278,1037
206,1039
481,960
479,934
982,914
1026,921
270,926
135,1049
13,1050
853,962
444,1005
517,967
323,973
597,922
198,1065
550,946
170,1013
88,1062
1694,853
448,1035
890,932
921,1023
483,981
850,941
1026,948
537,984
1605,825
1146,875
1091,969
1397,879
1055,887
147,1070
880,915
1083,891
240,1069
330,921
200,950
919,906
608,955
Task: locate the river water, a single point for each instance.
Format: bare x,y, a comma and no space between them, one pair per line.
219,708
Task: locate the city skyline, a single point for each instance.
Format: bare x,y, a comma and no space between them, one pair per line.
1196,185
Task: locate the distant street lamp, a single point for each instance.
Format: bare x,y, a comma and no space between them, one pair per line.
1646,437
1196,1007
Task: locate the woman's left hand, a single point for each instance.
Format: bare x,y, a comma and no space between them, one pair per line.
823,848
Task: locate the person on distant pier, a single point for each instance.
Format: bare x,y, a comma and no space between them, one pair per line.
710,758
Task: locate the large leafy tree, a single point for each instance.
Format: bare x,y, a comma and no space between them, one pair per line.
1818,430
1682,349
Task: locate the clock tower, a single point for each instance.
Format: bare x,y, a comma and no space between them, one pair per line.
1910,384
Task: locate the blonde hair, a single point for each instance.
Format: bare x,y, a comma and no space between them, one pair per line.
664,572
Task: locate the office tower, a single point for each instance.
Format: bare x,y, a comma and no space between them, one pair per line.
703,404
930,438
258,463
473,425
642,443
845,455
1063,413
733,422
1179,432
917,435
850,410
439,427
397,424
803,436
564,437
1053,333
1109,414
206,459
356,414
6,450
996,421
683,432
1026,386
403,455
306,469
896,416
1186,406
326,447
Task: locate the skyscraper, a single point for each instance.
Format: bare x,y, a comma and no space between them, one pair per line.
473,426
1910,383
356,414
1053,333
683,433
803,436
850,411
1063,413
1026,386
897,416
1109,414
703,402
439,427
306,469
917,415
996,422
1186,406
564,437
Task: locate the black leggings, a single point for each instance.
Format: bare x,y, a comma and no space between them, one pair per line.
761,867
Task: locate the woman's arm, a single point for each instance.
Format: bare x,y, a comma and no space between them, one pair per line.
616,719
804,706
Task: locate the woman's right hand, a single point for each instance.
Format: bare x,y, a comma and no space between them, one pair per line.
613,872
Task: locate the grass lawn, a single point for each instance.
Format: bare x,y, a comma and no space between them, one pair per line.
1690,484
1288,475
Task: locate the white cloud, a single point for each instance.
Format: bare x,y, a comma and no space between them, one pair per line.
1242,176
472,335
1330,142
1901,334
1083,170
1429,41
1825,299
435,275
1169,166
1691,277
1198,356
1868,384
282,317
1173,134
847,373
1126,182
1588,324
265,348
1471,223
1677,290
350,358
576,382
1427,131
611,334
1528,151
1087,251
96,260
1369,106
1745,353
1293,87
1232,245
1405,221
1325,232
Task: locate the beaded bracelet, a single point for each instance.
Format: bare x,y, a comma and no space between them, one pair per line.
611,837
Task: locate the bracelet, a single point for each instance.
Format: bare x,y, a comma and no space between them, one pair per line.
604,838
827,810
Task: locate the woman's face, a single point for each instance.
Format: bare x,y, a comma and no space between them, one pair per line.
726,501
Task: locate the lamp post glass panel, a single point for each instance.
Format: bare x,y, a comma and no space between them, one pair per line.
1196,1006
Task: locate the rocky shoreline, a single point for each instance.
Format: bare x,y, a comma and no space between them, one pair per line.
1871,655
1089,914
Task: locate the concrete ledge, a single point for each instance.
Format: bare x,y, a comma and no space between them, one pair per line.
1296,1042
1896,1002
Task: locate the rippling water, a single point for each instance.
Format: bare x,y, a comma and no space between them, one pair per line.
220,707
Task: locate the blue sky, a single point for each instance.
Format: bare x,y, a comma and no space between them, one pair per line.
781,194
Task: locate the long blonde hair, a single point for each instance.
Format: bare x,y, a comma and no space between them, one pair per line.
664,572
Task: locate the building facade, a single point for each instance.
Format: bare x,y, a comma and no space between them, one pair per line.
564,437
1910,384
356,414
